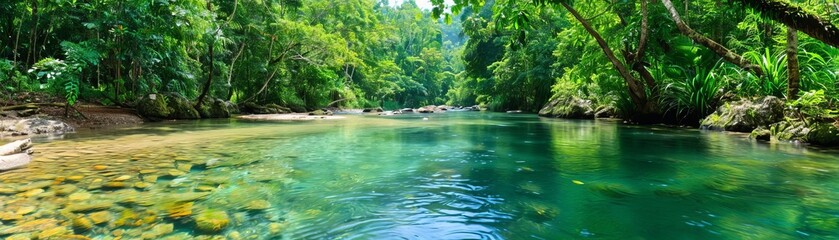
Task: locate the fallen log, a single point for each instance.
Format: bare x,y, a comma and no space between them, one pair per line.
16,154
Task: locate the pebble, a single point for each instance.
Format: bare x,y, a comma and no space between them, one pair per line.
82,223
7,191
86,207
25,210
53,232
176,173
10,216
277,228
20,236
31,226
142,185
35,185
122,178
116,185
75,178
32,193
65,189
258,205
234,235
100,217
79,196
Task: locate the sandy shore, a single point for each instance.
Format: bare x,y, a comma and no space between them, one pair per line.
288,117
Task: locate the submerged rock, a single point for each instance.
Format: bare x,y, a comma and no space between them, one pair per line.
568,107
745,115
31,226
211,221
82,224
612,190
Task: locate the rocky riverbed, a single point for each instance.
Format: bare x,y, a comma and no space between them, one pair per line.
145,187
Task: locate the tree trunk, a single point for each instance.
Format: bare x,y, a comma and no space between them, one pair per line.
719,49
636,90
210,53
794,80
795,17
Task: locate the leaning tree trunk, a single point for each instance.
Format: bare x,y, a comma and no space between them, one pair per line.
15,154
636,89
798,18
793,74
719,49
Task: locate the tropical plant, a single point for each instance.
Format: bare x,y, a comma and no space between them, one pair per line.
813,105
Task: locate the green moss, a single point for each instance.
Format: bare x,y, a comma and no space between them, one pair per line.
181,107
154,108
211,221
824,134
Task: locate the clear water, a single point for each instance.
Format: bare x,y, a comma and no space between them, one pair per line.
453,176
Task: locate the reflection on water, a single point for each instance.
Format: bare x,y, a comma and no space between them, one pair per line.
455,176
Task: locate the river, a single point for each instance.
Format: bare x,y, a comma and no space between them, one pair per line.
452,176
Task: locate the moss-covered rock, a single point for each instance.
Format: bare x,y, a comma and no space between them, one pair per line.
789,131
154,107
321,112
180,107
166,106
254,108
824,134
232,107
761,133
745,115
214,108
568,107
211,221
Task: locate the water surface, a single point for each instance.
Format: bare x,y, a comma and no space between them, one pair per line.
453,176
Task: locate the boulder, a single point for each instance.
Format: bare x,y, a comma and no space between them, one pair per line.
251,107
745,115
232,107
166,106
214,108
824,134
761,133
373,110
568,107
180,107
153,106
321,112
407,110
33,126
605,112
789,131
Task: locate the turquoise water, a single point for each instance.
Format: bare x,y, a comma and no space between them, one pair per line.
473,176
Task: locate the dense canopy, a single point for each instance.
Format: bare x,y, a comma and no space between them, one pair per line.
649,61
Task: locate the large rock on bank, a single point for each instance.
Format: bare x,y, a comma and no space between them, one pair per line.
33,126
175,106
745,115
824,134
568,107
